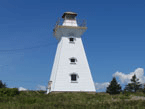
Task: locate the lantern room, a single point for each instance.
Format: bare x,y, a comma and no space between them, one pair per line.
69,19
69,15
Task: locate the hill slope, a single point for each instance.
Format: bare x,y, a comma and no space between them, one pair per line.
39,100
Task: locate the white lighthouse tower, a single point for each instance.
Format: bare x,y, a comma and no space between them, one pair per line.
70,72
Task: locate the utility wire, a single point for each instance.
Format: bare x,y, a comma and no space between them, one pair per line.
26,81
39,46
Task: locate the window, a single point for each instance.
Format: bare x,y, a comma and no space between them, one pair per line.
73,60
71,39
70,17
73,77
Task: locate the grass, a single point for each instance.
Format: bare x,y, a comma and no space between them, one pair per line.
39,100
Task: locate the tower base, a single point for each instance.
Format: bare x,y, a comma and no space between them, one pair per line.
73,92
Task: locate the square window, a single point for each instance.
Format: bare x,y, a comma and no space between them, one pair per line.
72,60
73,77
71,39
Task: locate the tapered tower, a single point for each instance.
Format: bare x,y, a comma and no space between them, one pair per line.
70,72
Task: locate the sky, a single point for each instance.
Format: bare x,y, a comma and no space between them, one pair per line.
114,41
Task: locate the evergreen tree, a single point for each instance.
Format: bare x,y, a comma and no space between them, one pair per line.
143,88
114,87
2,85
134,85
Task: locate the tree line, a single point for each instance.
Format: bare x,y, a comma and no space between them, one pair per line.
2,85
133,86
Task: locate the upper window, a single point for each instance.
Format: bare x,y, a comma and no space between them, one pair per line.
73,60
71,39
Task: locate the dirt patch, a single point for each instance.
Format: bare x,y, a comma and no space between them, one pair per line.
138,98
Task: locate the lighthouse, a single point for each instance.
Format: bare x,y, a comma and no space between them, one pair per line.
70,72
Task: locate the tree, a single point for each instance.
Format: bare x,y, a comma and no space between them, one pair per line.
114,87
2,85
134,85
143,88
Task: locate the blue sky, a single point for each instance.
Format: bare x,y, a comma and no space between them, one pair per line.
114,41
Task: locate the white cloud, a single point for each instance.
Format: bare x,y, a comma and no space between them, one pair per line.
22,89
40,87
101,86
125,78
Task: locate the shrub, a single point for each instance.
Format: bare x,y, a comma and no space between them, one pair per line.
27,100
8,91
126,93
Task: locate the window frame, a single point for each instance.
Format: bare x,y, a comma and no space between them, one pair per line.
77,77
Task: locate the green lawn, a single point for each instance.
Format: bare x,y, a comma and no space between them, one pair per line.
39,100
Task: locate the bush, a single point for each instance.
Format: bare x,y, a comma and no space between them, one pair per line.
143,91
8,91
27,100
126,93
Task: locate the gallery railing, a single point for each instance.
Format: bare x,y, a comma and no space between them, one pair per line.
80,23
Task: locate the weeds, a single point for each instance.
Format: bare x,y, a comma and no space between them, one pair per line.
39,100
